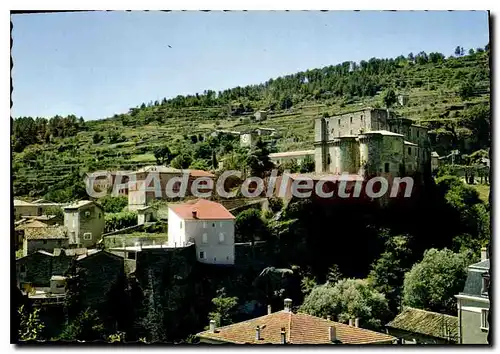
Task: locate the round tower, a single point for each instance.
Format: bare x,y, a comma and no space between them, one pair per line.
369,147
349,154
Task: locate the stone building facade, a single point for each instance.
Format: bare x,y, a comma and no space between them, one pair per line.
371,142
84,221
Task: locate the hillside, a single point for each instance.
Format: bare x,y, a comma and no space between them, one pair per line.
449,95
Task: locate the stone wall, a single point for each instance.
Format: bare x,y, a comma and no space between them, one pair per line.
102,271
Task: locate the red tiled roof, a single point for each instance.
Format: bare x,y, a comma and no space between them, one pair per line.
200,173
300,328
205,210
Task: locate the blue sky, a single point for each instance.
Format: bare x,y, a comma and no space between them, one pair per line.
96,64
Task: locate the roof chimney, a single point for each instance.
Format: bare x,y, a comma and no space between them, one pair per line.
288,305
195,213
212,326
283,335
484,254
350,321
269,309
257,333
333,334
356,322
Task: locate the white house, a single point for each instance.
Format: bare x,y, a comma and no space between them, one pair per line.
209,225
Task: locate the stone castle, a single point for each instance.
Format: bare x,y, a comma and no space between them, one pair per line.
371,142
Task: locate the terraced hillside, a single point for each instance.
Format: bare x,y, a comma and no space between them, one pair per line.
451,96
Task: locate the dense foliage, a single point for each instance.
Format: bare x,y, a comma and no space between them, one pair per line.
433,283
348,299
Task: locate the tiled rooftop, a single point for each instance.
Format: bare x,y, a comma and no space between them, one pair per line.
205,210
427,323
300,328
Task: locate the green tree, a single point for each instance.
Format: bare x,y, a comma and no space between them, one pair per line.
87,326
57,211
181,161
113,204
334,274
307,165
389,98
348,299
30,326
457,51
118,221
433,283
162,154
258,160
224,308
289,165
387,273
249,226
466,90
97,138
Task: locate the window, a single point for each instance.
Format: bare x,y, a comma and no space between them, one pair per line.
181,225
486,284
215,259
202,255
131,255
220,224
221,237
350,132
204,238
39,211
351,120
409,150
87,214
87,236
99,215
204,224
339,122
361,117
44,242
387,167
484,319
213,225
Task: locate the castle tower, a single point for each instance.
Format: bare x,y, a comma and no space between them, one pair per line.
349,154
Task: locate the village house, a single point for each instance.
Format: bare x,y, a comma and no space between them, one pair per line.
474,303
260,115
208,225
39,236
416,326
85,223
287,327
37,208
